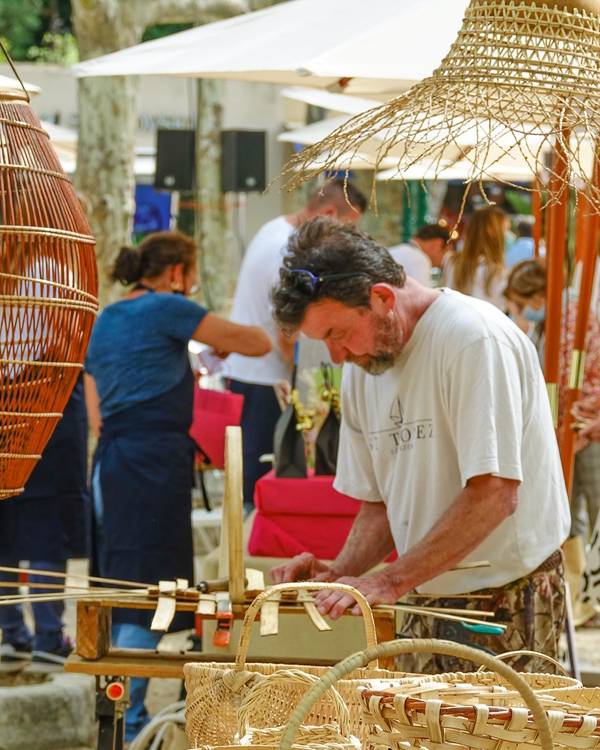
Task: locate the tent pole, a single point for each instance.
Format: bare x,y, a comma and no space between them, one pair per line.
556,249
536,209
588,255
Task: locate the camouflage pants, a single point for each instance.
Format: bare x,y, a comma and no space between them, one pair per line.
532,608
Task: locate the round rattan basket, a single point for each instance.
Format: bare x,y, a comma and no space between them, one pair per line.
48,290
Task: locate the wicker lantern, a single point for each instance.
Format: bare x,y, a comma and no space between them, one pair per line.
48,290
516,69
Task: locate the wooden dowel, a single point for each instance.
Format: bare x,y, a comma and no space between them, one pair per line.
437,615
471,565
56,574
57,586
452,610
54,591
42,598
536,209
588,257
557,244
451,596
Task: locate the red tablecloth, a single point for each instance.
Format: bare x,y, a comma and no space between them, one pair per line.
300,515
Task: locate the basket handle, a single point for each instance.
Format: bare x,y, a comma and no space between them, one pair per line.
284,677
526,652
418,646
254,608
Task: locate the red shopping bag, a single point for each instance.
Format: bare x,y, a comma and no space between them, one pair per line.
213,412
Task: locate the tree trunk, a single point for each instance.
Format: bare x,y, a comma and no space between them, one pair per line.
108,107
211,220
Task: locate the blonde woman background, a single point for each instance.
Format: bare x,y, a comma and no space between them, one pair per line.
478,269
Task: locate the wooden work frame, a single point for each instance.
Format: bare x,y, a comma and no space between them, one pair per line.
95,655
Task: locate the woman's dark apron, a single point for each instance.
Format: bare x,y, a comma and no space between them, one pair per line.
145,471
50,521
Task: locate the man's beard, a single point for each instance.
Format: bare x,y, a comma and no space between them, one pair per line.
389,342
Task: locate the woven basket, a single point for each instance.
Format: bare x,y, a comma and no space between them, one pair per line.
488,687
258,703
444,726
400,722
48,291
216,690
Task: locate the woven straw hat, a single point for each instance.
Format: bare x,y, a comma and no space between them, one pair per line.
516,70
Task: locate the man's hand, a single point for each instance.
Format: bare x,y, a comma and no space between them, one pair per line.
303,567
377,589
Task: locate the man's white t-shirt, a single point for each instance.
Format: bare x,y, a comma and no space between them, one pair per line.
465,398
252,305
416,263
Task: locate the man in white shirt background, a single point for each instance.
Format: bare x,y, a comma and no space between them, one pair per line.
446,438
425,251
254,377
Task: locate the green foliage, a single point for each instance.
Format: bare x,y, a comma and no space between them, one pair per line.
155,32
20,21
38,30
60,49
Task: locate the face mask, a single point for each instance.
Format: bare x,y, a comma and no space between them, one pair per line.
534,316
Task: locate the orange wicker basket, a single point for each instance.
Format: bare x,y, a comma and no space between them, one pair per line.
48,290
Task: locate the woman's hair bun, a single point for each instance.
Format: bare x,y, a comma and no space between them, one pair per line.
128,266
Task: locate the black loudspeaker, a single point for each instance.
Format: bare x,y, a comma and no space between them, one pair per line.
243,168
175,160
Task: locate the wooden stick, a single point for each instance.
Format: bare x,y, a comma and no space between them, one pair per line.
42,598
56,574
471,565
95,592
536,210
452,610
555,256
29,585
587,252
451,596
438,615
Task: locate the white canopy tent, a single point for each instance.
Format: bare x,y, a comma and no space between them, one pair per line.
455,163
64,141
378,48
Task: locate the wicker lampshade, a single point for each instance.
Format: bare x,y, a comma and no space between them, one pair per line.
48,290
516,70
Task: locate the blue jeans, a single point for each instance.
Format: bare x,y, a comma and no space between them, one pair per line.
126,635
47,615
260,413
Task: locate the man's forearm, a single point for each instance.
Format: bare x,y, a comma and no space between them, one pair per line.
369,542
475,513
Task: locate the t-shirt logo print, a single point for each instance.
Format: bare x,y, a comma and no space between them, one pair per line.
404,434
397,412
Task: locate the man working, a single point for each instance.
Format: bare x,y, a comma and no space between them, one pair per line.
424,252
447,439
254,377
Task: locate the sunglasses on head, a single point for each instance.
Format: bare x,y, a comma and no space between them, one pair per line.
313,282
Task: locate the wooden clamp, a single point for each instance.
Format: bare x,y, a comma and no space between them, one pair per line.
311,610
269,615
224,615
166,606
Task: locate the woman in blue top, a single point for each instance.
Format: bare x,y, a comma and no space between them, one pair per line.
139,389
